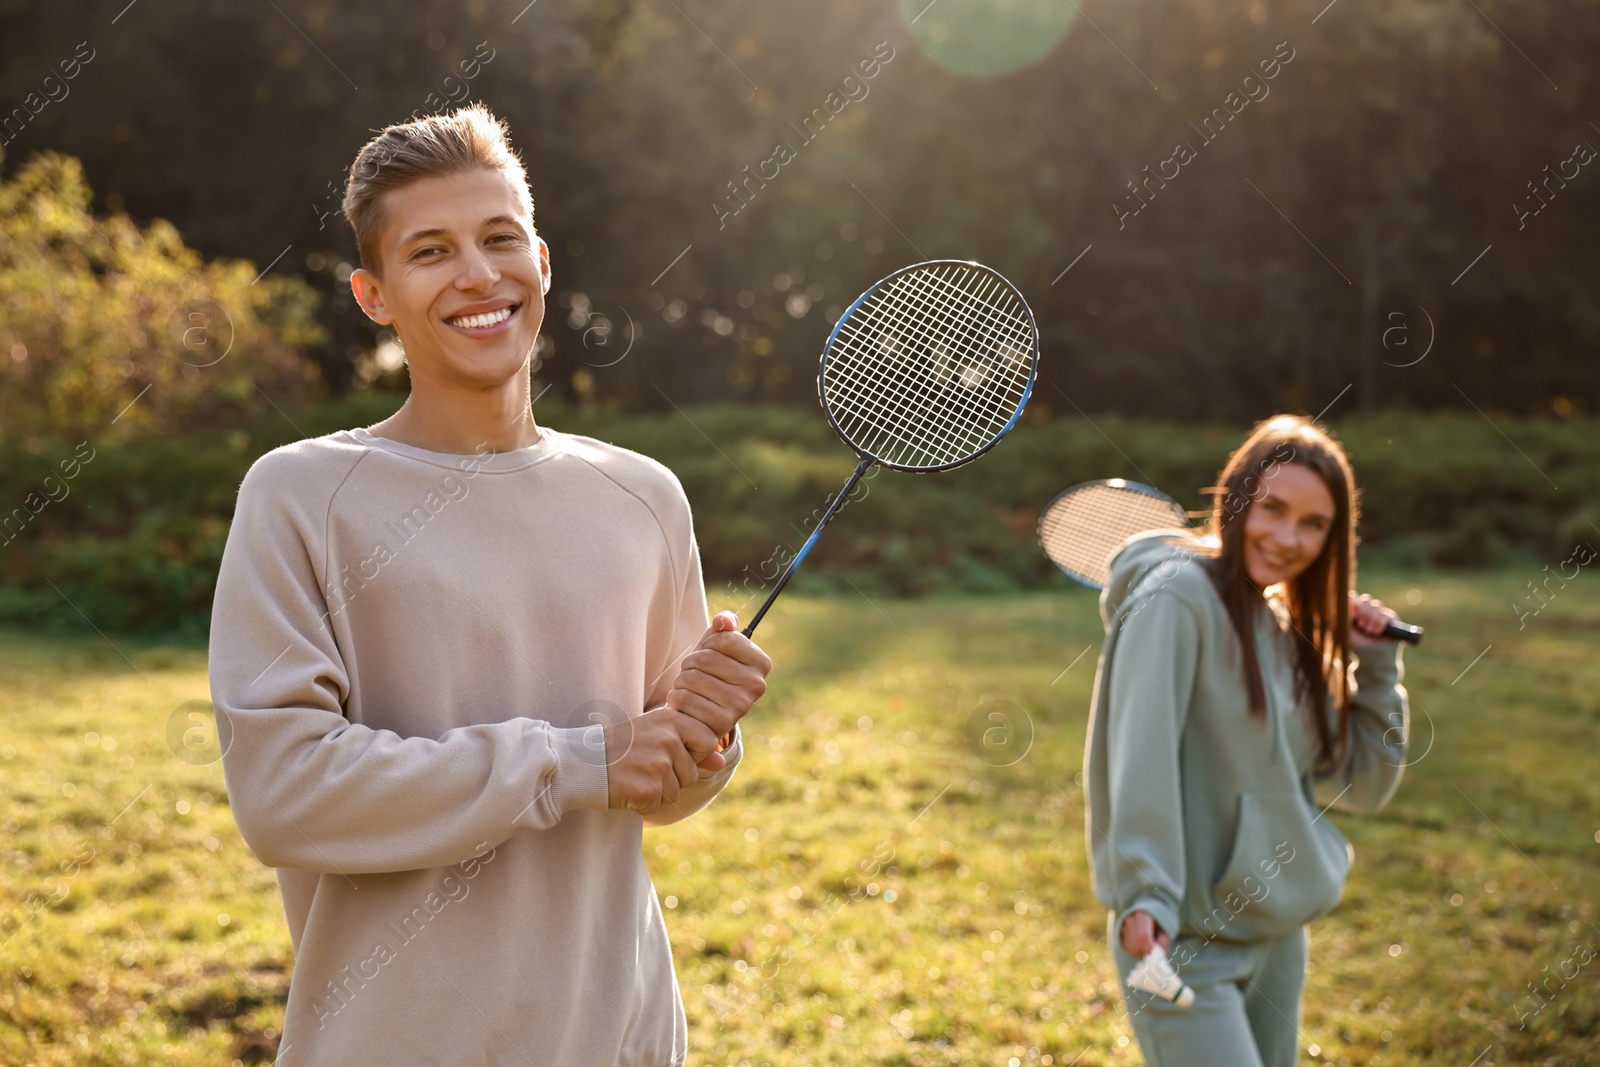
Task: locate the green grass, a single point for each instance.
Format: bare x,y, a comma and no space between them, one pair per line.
864,780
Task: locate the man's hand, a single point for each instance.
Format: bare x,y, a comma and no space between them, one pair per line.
1139,932
650,757
721,679
1368,617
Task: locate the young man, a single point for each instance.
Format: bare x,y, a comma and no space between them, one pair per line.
460,661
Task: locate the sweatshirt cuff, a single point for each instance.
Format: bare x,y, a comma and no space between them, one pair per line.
580,778
1378,664
1165,915
731,755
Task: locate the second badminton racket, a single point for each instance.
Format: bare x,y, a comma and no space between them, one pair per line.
1083,527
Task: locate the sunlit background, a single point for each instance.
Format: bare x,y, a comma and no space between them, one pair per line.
1320,236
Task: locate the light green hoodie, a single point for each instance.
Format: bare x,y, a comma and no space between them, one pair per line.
1199,813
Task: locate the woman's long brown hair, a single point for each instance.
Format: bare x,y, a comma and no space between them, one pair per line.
1318,599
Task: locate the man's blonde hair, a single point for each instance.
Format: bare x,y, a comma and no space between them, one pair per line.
429,147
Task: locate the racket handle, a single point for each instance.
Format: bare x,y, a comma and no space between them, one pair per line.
1403,631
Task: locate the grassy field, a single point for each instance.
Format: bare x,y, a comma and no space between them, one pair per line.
897,876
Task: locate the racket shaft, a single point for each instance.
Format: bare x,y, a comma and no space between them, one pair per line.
794,565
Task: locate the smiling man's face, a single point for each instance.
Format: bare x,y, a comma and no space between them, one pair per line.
463,278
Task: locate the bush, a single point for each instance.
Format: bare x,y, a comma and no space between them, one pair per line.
110,333
132,540
129,538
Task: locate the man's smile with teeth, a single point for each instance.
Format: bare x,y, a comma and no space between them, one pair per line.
487,318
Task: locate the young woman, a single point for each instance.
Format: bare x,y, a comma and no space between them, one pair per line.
1224,726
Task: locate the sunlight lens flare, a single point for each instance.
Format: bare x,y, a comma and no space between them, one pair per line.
987,38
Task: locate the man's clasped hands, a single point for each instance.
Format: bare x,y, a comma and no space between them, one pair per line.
651,757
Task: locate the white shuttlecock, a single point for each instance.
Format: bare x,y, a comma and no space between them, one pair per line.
1155,975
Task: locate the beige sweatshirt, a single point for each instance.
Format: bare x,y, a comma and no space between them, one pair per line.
411,654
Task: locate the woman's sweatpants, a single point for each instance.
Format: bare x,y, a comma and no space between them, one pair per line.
1246,1010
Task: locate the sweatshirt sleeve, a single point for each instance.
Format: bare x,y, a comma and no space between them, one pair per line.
311,789
1152,676
1380,729
690,623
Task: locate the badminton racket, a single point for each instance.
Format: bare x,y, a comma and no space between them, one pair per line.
1082,529
926,371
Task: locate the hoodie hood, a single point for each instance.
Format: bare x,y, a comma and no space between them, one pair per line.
1160,555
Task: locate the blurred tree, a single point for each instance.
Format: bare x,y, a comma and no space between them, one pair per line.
1386,156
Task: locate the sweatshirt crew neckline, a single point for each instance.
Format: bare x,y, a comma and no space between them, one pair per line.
506,462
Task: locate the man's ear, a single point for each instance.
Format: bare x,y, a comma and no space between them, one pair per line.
544,265
364,285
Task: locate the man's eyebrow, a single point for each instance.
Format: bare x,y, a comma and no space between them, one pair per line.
420,234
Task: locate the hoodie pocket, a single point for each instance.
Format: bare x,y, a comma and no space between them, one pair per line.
1286,867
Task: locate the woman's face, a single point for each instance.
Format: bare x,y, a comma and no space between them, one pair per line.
1287,524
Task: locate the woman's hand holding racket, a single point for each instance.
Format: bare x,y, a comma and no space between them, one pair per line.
719,682
1369,620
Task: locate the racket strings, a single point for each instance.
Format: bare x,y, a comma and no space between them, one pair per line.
957,423
1082,528
885,408
892,413
967,315
965,307
942,439
931,368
